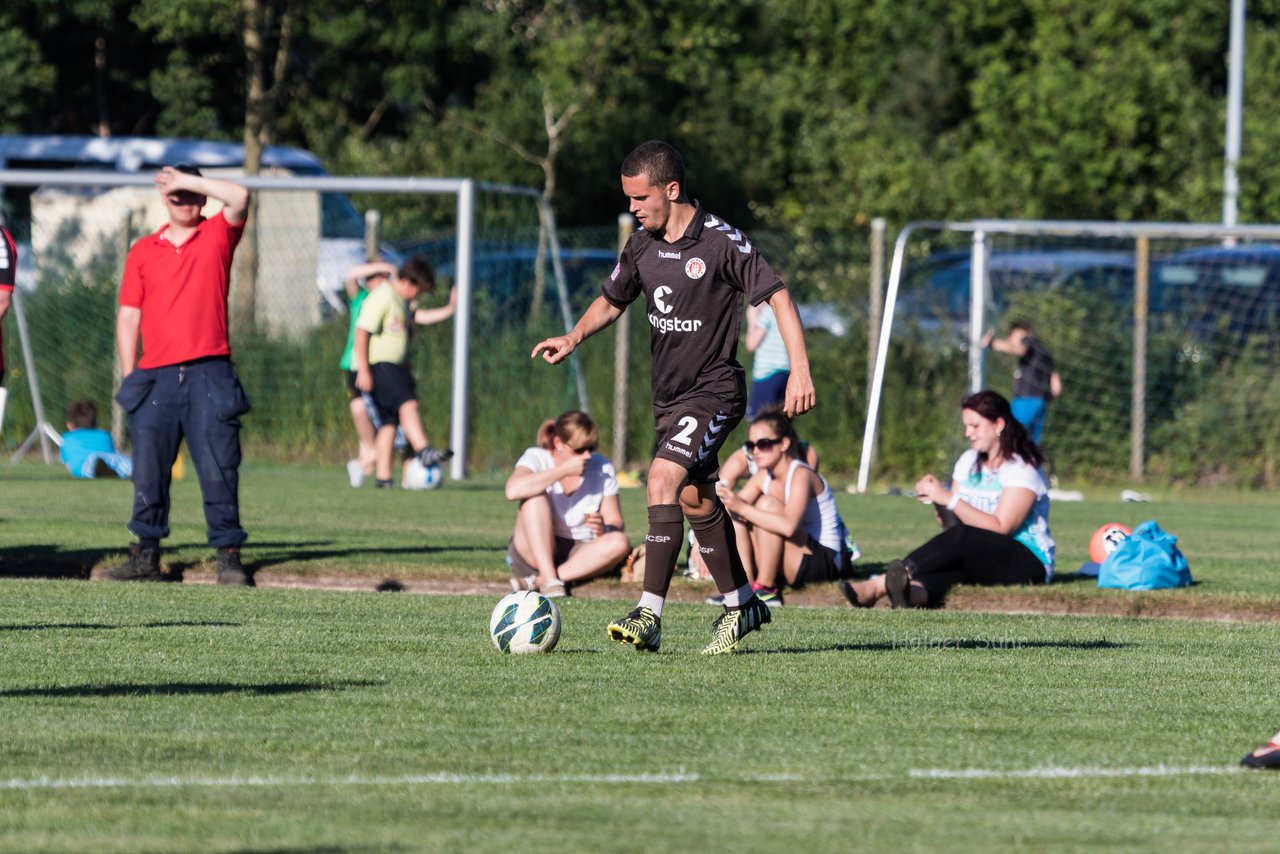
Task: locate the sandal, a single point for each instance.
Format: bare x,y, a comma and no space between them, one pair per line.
897,583
554,589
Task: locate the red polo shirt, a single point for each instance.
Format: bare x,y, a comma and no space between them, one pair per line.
182,292
8,275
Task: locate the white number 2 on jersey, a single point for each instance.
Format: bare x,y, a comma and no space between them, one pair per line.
684,437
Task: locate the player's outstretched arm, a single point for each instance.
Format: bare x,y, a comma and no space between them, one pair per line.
800,396
598,315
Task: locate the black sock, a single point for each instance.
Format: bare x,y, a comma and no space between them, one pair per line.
384,484
662,547
719,546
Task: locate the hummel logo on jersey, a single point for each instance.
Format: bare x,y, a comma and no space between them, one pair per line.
675,256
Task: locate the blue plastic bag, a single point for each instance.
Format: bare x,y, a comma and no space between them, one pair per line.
1147,560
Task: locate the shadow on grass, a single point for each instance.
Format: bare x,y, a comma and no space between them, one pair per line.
37,627
182,689
322,849
254,560
925,642
48,561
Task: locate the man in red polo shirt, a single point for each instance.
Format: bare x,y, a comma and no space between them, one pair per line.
174,296
8,276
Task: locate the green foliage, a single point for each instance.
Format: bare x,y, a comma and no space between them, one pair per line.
833,112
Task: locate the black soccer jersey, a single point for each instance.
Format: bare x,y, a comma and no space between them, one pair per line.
694,289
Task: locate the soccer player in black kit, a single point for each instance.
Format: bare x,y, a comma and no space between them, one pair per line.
694,270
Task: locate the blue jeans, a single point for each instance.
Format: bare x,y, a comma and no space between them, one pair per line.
770,391
1030,412
201,402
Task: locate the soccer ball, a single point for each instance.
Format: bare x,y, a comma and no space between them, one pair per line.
418,476
1105,540
525,621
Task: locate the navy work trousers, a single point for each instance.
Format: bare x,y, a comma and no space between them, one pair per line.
201,402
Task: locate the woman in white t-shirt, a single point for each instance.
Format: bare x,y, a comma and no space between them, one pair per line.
995,517
569,526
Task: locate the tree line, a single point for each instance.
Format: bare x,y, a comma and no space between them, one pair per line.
795,115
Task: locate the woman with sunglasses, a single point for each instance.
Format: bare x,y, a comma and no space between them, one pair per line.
785,517
994,515
569,525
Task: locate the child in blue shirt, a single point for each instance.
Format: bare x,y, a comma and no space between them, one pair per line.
86,449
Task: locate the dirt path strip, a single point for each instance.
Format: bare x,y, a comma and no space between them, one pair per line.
1064,601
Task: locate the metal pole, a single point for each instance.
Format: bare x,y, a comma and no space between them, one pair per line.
621,360
1138,398
1235,113
33,381
462,329
876,287
977,306
372,232
557,266
882,355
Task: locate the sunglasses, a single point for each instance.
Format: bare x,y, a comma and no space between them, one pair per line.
590,449
760,444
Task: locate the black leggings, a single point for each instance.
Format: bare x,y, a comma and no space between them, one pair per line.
963,554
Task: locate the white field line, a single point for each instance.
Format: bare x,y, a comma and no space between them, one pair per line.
447,779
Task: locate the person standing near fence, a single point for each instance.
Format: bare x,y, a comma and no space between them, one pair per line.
8,278
694,270
1035,380
770,367
174,297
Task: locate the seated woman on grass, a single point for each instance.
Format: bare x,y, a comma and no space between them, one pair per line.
569,526
995,517
785,517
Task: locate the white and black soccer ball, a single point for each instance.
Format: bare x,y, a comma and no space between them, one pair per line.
525,621
418,476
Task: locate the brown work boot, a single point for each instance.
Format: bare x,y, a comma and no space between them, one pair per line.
142,565
230,570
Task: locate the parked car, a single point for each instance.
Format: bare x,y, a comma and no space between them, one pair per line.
935,293
1221,289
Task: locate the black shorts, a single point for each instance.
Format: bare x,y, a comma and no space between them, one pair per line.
819,566
692,435
393,387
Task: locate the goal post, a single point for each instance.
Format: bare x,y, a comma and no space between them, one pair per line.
1207,295
464,190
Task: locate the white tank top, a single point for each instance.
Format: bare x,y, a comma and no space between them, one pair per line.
821,518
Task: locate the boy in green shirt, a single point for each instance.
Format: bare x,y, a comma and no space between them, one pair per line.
380,358
360,281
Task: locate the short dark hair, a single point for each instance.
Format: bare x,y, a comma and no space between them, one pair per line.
1024,325
188,169
658,160
82,413
418,270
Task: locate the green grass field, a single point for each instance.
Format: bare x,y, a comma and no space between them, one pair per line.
196,718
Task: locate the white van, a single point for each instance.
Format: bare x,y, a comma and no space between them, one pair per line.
340,241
